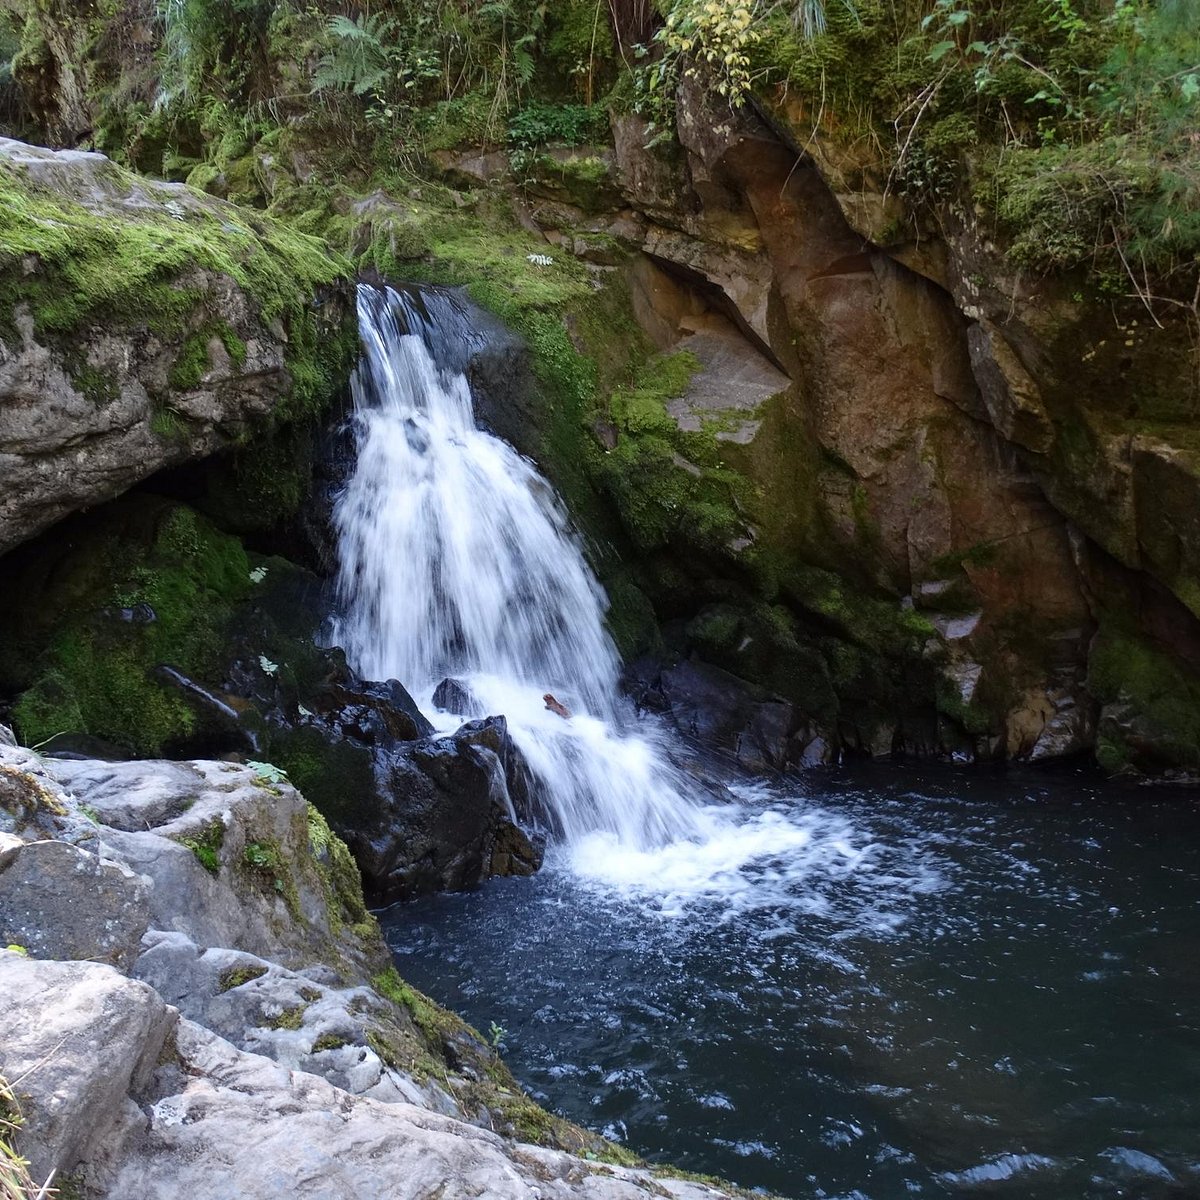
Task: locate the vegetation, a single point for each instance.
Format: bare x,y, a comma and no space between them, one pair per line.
15,1181
206,845
234,977
156,587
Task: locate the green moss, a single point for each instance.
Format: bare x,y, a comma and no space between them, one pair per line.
97,385
145,583
195,359
1127,668
234,977
206,845
290,1018
340,877
972,717
267,863
434,1021
135,267
337,778
329,1041
168,425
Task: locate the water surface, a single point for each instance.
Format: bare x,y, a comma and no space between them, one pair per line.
953,984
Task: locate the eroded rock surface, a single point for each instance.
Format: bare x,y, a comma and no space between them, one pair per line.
98,391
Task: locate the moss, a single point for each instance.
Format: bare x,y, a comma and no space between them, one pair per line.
267,863
291,1018
22,795
206,845
340,878
97,385
195,359
1127,668
167,424
972,717
329,1041
337,778
144,583
235,977
431,1019
135,268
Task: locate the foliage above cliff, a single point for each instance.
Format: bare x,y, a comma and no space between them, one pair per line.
1071,122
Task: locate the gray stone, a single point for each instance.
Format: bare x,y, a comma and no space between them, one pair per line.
58,901
77,1037
10,847
263,893
306,1024
227,1125
61,449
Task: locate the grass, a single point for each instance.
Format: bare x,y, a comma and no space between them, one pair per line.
15,1181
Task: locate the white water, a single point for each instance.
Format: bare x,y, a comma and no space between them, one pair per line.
457,560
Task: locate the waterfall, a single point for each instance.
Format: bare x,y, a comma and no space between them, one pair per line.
457,559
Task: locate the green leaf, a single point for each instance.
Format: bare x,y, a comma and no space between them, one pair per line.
940,51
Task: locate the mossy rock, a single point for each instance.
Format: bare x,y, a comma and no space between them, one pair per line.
103,602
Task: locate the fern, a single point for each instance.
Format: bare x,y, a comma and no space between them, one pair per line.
362,57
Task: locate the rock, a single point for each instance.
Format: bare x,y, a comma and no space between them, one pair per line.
763,744
74,1054
434,819
716,707
226,1123
82,409
58,901
1069,729
302,1022
454,696
470,168
229,853
10,847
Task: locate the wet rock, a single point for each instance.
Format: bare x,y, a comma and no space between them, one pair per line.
58,901
433,822
454,696
718,708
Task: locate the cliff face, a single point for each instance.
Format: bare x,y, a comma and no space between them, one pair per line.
970,492
921,500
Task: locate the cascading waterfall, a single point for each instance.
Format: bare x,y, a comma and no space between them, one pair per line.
458,560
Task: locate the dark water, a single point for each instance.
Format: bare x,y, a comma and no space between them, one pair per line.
983,986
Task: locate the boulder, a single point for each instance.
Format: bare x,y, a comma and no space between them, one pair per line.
104,390
454,696
229,852
78,1037
305,1020
726,712
435,818
224,1123
58,901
